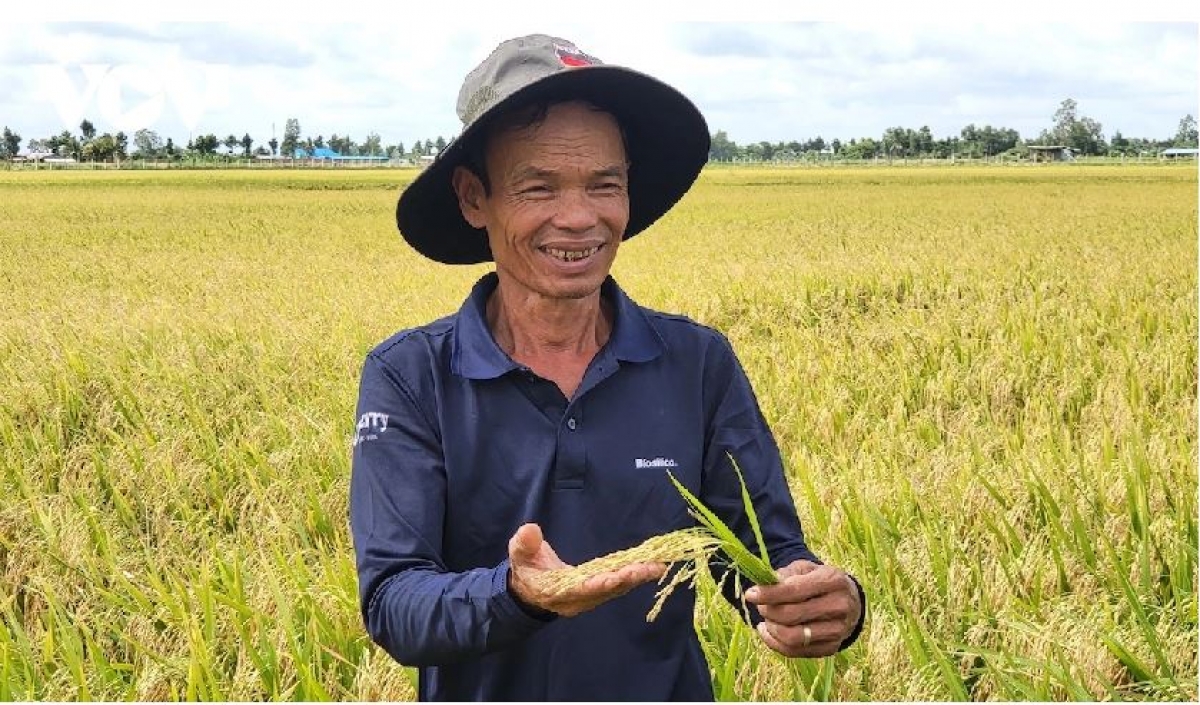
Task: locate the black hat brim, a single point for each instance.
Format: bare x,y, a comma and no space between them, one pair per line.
667,145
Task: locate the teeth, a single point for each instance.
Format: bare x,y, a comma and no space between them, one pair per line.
571,255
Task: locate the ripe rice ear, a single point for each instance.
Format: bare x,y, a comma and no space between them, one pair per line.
689,547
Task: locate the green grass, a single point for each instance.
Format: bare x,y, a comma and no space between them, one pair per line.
982,381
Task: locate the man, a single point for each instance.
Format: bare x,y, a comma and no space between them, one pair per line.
535,427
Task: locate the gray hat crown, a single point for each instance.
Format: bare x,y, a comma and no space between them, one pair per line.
513,65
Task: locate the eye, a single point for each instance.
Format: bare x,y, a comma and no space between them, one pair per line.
534,190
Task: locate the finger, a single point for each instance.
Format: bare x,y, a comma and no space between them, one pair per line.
796,568
798,587
790,641
618,582
639,573
818,633
523,546
831,606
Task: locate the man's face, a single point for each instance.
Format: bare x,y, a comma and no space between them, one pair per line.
559,201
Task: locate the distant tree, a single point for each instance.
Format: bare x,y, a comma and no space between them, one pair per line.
400,149
948,147
206,145
291,137
319,142
10,144
721,148
923,141
170,148
372,145
232,142
987,140
895,141
1065,119
1186,136
87,129
1118,144
247,143
274,143
440,144
1088,137
147,143
63,144
1081,134
122,143
341,145
836,145
784,153
866,148
101,149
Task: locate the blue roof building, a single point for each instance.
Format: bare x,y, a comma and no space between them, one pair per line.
317,153
326,153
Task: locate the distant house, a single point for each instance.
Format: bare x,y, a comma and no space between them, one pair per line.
1180,153
1050,153
326,154
317,153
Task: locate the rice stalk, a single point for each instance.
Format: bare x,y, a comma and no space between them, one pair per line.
689,548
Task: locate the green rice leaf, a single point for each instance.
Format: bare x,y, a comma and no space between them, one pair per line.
753,515
748,564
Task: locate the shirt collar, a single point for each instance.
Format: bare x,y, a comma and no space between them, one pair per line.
477,356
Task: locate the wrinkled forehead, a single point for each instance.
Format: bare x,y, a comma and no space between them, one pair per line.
579,119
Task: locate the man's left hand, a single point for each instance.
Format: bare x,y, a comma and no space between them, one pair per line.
810,612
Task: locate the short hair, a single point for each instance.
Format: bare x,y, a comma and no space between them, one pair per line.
521,117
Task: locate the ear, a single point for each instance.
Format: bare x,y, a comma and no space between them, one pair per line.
469,190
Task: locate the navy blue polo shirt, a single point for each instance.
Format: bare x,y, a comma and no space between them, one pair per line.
457,446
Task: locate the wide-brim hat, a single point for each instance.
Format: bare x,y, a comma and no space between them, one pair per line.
666,138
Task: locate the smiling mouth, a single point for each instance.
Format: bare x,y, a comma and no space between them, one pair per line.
570,255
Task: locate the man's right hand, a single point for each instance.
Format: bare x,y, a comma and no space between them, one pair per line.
529,554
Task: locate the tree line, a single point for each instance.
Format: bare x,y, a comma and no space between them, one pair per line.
88,145
1082,134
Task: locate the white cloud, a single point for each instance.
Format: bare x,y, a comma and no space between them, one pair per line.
398,72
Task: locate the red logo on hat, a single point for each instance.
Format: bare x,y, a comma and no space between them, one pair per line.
570,56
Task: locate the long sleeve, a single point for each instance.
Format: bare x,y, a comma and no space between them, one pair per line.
412,605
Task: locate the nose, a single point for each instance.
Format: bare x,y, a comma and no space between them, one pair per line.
575,210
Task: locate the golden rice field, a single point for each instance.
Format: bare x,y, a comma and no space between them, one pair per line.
983,381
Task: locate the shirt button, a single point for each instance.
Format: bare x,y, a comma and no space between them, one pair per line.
571,423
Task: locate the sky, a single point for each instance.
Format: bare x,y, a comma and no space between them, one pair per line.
756,72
